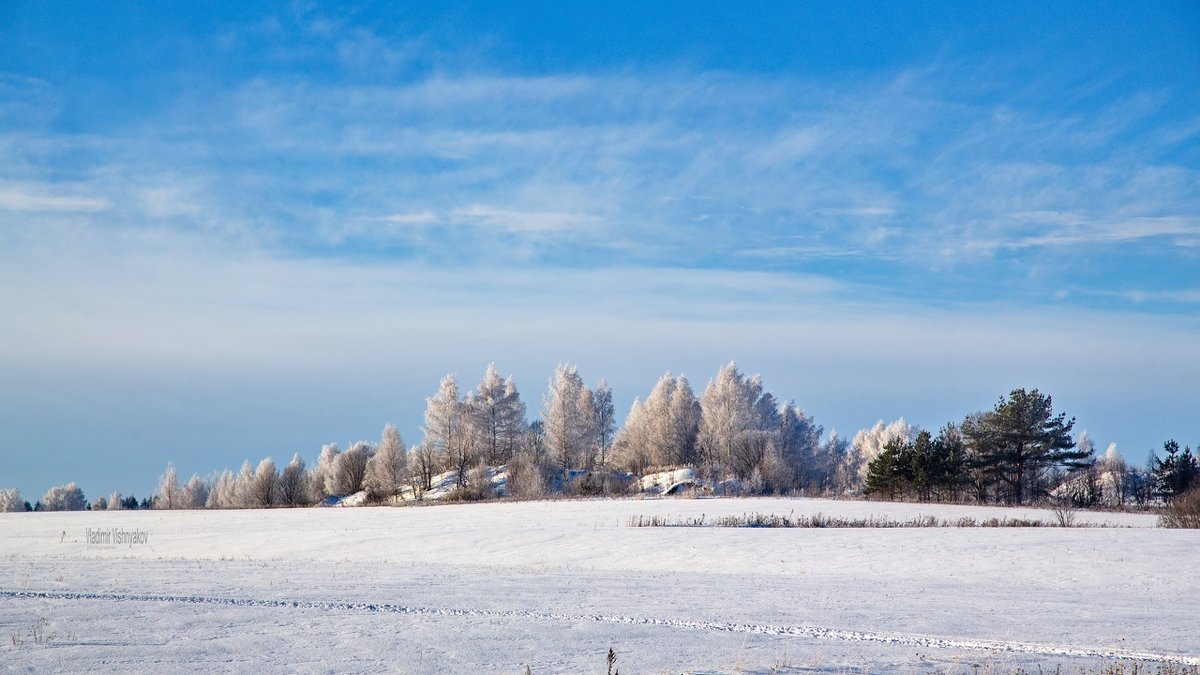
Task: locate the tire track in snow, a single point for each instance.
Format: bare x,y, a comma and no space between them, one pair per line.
815,632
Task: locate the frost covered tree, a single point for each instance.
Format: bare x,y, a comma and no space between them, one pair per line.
223,494
682,423
497,417
657,425
735,422
322,471
531,470
243,486
870,443
64,498
469,451
513,424
632,448
264,486
606,420
661,432
114,501
294,484
10,501
422,462
1117,485
194,494
447,426
349,470
167,496
387,470
569,418
799,446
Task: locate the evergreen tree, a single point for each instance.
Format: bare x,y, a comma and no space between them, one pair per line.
1017,442
1175,473
886,473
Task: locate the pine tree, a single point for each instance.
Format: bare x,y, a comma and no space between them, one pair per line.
886,472
1176,473
1017,442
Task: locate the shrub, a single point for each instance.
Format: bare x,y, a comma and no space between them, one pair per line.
1183,511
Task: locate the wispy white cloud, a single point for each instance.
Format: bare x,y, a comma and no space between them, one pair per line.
49,199
418,218
521,221
674,168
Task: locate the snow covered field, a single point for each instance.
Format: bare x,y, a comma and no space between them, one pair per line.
553,585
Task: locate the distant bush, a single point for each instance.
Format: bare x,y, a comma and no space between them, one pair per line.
1183,511
478,487
821,520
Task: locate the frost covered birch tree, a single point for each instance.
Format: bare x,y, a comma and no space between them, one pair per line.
294,483
661,432
263,489
732,413
498,417
870,443
606,421
10,501
223,493
319,480
64,498
569,416
446,427
387,470
349,470
167,496
194,494
631,450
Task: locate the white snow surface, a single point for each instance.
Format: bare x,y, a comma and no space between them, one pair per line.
497,587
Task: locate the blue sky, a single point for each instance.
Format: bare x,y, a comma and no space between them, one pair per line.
231,232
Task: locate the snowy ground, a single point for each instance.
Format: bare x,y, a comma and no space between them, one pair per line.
552,585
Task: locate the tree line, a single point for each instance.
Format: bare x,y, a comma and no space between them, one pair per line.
737,437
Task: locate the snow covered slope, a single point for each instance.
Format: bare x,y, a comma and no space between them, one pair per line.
552,585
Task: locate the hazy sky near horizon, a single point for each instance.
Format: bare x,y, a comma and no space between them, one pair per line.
238,232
